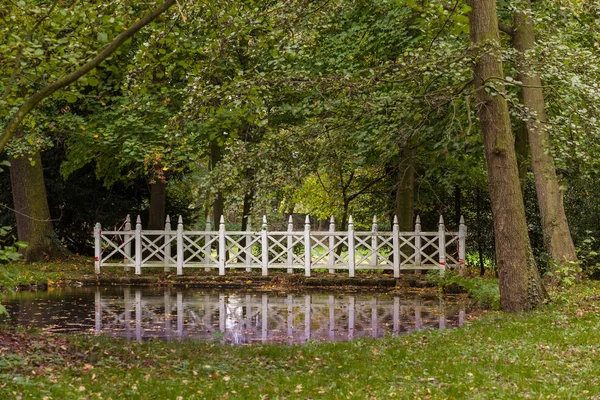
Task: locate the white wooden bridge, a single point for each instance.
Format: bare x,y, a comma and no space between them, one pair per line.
289,250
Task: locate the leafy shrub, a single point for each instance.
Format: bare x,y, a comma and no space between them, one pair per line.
9,253
484,292
589,257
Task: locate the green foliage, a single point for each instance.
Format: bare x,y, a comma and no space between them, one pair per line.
589,257
484,292
9,253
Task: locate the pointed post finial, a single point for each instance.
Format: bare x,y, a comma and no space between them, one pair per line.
264,222
350,221
138,220
127,218
180,220
462,220
332,220
374,219
418,220
307,220
396,219
222,220
441,220
168,219
290,219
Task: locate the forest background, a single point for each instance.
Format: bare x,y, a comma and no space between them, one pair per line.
362,108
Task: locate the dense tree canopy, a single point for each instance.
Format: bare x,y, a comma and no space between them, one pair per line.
340,108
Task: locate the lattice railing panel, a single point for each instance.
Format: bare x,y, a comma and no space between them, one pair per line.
306,250
200,248
116,243
241,249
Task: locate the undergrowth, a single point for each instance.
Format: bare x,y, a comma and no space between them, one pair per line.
484,292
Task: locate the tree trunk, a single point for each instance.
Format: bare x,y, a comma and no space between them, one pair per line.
405,199
34,224
457,205
219,203
478,234
158,200
247,208
520,284
557,236
522,150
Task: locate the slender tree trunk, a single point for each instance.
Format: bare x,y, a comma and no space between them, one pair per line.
247,208
457,204
478,230
158,200
522,150
557,236
520,283
405,198
34,224
219,203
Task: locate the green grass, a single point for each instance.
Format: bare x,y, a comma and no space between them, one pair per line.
553,352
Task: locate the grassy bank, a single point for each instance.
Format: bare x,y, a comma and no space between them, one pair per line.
553,352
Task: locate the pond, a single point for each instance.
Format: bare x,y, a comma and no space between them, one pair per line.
230,316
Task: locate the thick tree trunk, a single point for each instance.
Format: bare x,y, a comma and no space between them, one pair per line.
34,224
557,236
158,201
520,284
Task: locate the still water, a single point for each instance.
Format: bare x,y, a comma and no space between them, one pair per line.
230,316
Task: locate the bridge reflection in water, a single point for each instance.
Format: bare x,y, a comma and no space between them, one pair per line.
259,317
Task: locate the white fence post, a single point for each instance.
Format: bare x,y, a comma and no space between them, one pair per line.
97,247
248,241
418,241
126,236
442,245
374,229
307,247
180,254
167,244
462,236
222,246
207,248
290,247
265,247
351,260
331,246
396,247
138,246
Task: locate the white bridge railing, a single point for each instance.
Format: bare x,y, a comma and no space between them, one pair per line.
288,250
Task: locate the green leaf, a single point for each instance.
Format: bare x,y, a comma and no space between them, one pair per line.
102,37
93,81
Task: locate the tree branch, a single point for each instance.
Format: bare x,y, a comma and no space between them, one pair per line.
52,87
506,29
